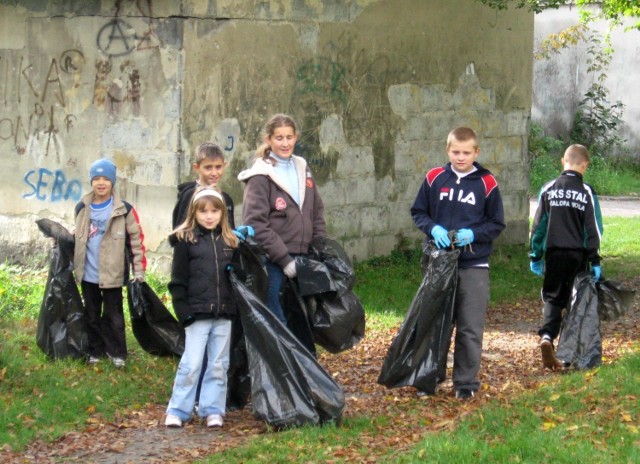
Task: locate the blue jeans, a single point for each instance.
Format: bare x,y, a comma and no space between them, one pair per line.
214,336
276,277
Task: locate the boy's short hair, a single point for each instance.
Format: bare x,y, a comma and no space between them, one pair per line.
207,150
462,134
576,154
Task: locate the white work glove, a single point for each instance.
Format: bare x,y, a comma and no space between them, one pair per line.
290,270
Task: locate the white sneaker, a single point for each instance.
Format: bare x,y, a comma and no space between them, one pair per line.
214,420
118,362
93,360
173,421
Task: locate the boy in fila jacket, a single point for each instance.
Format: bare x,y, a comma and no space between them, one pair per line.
463,197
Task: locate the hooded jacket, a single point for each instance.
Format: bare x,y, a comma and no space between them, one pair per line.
199,286
123,233
568,217
282,226
471,202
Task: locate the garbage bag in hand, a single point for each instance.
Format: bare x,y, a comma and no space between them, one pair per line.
248,264
614,299
156,329
580,343
326,269
238,379
337,322
288,386
61,330
418,354
336,316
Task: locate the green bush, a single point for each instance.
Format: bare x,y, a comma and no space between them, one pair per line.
608,176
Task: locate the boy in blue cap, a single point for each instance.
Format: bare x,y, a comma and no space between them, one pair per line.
108,238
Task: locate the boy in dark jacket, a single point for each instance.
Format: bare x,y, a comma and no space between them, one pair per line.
209,164
566,232
463,197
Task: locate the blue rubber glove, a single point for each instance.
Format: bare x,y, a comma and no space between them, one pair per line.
464,237
242,232
441,237
597,272
537,267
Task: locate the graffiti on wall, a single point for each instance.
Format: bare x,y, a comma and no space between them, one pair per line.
53,186
117,91
118,38
46,119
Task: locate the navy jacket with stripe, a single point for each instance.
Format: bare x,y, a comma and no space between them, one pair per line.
471,202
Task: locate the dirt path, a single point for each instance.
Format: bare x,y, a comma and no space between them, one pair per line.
510,366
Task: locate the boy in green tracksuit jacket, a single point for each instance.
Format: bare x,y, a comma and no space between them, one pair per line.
565,239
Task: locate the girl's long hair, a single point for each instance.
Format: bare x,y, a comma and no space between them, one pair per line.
277,120
186,231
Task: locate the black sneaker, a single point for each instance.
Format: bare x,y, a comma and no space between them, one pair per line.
465,394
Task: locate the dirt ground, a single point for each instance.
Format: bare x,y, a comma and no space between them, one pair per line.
510,365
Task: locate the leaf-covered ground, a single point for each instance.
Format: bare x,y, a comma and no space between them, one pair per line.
510,365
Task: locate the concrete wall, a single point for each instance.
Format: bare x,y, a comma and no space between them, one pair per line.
375,86
560,83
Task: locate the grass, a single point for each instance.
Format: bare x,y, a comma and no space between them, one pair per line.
581,417
43,399
606,177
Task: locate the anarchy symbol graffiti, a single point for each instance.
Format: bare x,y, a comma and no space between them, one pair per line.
117,38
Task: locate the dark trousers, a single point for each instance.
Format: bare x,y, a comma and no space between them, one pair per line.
470,311
561,268
105,320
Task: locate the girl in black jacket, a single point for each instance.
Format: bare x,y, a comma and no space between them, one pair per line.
204,304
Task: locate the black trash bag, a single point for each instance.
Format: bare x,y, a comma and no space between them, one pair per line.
334,315
418,354
614,299
248,264
327,269
288,386
61,330
338,322
238,378
156,329
580,344
297,310
314,277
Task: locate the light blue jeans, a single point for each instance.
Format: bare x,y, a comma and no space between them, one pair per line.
214,336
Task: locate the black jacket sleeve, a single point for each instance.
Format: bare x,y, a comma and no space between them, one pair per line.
179,284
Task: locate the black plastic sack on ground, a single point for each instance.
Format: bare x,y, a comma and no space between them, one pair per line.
288,386
156,329
614,299
338,322
580,344
418,354
61,328
238,379
248,264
